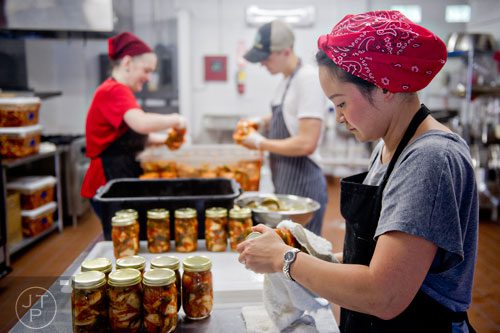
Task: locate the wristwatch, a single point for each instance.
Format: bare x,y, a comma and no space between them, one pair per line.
289,258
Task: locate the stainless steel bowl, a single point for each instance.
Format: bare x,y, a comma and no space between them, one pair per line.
295,208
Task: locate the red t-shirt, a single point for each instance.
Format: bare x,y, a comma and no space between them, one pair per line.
103,126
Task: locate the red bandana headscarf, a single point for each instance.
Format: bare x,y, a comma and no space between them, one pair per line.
386,49
124,44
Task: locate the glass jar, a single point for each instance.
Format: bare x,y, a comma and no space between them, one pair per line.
125,300
160,300
240,225
125,236
89,307
186,230
173,264
158,230
136,262
98,264
135,215
216,229
197,290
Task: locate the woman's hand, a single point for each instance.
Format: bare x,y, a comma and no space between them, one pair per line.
263,254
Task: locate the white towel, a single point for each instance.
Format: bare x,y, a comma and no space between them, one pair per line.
290,306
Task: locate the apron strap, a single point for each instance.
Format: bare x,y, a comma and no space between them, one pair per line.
418,118
299,64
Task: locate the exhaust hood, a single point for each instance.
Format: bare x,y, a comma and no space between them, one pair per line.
57,15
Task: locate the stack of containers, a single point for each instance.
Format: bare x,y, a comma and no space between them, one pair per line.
37,202
19,129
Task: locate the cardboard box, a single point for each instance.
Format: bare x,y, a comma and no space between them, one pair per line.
14,227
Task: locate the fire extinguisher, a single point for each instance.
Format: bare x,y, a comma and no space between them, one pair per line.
240,73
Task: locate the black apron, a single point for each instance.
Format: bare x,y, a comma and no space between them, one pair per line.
119,159
361,205
297,175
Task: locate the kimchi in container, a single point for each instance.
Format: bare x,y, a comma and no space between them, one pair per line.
89,308
158,230
160,300
240,225
35,191
125,300
135,215
186,230
20,141
19,111
173,264
37,220
216,229
125,236
197,289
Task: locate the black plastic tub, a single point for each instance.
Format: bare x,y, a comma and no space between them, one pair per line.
171,194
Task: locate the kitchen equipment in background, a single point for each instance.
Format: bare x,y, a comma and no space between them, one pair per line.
271,209
464,41
74,165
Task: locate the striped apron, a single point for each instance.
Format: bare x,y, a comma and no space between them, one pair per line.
297,175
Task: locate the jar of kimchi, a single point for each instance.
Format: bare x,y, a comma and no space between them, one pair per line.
136,262
158,230
197,290
89,307
160,300
135,215
125,236
216,229
125,300
173,264
186,230
240,225
98,264
285,234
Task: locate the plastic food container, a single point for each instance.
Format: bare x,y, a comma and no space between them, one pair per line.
170,194
20,141
37,220
204,161
36,191
19,111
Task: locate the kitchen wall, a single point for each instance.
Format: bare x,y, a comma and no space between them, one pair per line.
209,27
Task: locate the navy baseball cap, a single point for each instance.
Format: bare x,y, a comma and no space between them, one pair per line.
271,37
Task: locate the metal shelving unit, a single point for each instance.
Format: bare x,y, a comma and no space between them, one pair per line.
46,162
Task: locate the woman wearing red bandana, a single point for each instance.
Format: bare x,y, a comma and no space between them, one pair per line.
412,219
116,127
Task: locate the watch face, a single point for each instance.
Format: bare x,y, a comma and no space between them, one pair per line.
289,255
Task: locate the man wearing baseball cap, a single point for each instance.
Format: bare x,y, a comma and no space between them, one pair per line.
295,127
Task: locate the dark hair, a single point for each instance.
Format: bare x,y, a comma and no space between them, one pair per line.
366,88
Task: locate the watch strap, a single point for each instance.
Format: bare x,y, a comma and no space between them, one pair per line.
288,264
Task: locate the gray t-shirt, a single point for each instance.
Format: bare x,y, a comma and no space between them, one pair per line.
432,194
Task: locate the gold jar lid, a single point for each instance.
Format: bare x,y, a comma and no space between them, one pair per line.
196,264
253,234
159,213
124,277
185,213
159,277
98,264
122,220
88,280
165,262
216,212
240,213
136,262
129,211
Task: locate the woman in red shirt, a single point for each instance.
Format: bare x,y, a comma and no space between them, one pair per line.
116,127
